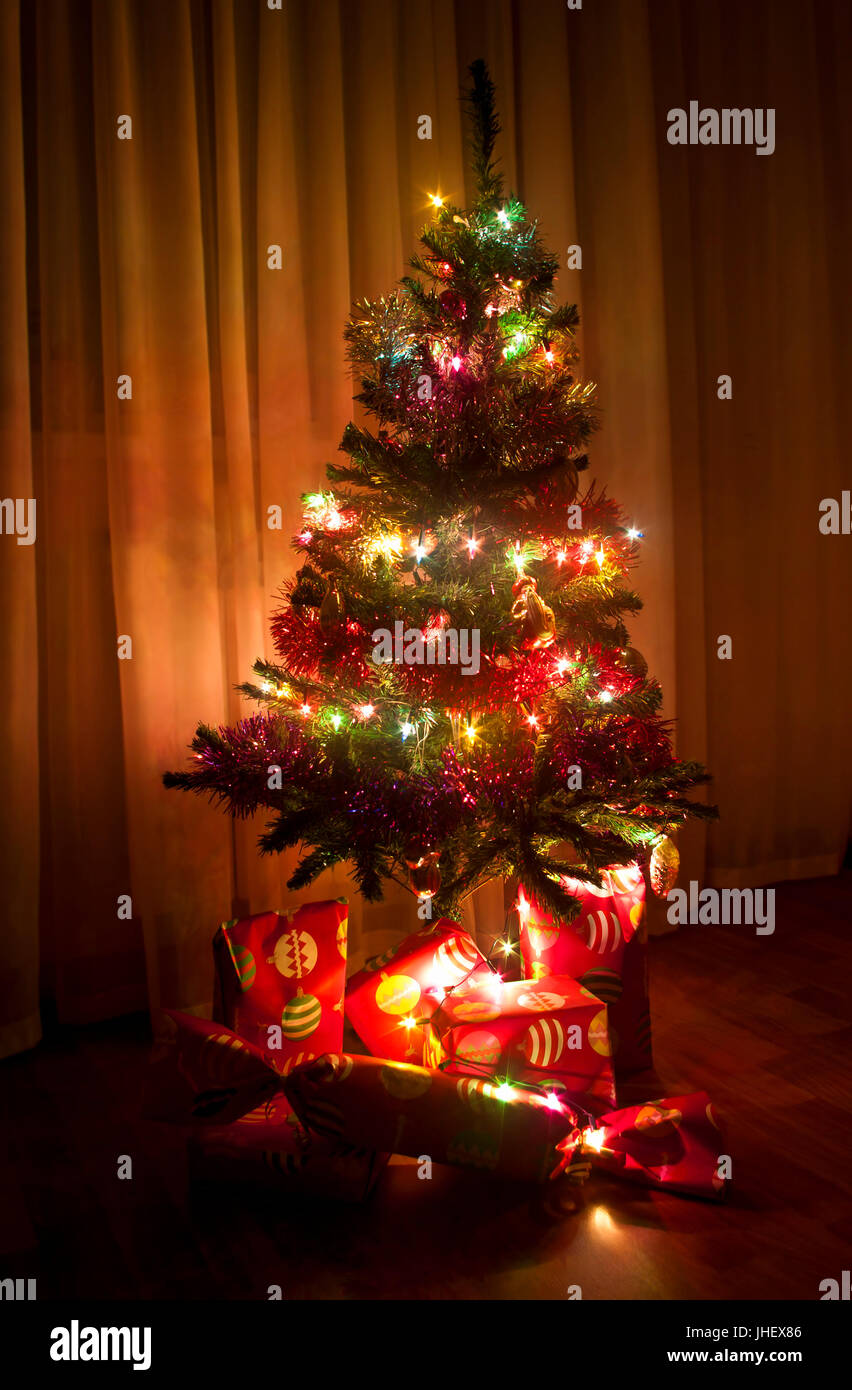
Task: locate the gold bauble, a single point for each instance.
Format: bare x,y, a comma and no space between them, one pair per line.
664,866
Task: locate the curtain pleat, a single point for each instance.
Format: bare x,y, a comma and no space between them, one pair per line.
165,512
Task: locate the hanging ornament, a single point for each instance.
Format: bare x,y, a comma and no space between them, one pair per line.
665,862
538,624
423,873
454,304
631,662
331,612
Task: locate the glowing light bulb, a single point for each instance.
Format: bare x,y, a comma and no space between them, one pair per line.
456,363
489,310
587,550
605,697
306,709
503,217
266,686
548,356
335,719
532,720
409,1022
472,547
524,908
367,711
594,1139
419,552
504,1092
506,947
600,557
406,730
563,665
560,557
436,201
470,732
634,534
553,1102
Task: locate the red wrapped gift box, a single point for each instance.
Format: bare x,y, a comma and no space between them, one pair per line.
390,1001
270,1144
527,1030
280,980
449,1119
605,948
202,1072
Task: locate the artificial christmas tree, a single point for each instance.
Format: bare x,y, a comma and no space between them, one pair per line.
455,696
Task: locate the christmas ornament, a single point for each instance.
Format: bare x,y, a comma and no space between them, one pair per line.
331,612
538,624
301,1016
454,304
425,880
631,662
663,870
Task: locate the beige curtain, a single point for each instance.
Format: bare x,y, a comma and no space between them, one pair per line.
147,258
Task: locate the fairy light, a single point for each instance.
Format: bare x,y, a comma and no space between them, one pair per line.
409,1023
470,732
490,309
560,557
336,720
552,1101
563,665
388,545
548,356
506,947
634,535
406,730
472,547
305,537
419,552
436,200
594,1139
306,709
587,549
367,711
532,720
517,557
456,363
605,697
600,557
524,908
266,686
504,1092
503,218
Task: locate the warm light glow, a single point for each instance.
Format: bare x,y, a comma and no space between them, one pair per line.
489,310
504,1092
563,665
472,547
306,709
266,686
506,947
336,720
503,217
602,1219
470,732
456,363
409,1023
367,711
524,908
419,552
553,1102
605,697
406,730
389,545
548,356
436,201
600,557
518,557
634,534
532,720
594,1139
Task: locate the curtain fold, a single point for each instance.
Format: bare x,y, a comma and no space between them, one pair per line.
165,507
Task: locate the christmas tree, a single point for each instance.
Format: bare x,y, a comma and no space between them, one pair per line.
455,696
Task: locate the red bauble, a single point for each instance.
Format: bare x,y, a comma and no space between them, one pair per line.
452,301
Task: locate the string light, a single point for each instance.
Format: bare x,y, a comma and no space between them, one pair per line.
634,534
456,363
552,1101
406,730
409,1022
436,201
594,1139
600,557
419,552
336,720
560,557
532,720
503,217
367,711
605,697
470,732
489,310
563,665
504,1092
306,709
472,547
548,356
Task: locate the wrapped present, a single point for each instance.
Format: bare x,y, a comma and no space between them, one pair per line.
390,1001
672,1143
280,978
461,1120
528,1031
605,948
202,1072
270,1145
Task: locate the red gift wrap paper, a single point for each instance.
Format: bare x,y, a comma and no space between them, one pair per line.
204,1073
461,1120
605,948
390,1001
549,1030
284,971
675,1143
271,1145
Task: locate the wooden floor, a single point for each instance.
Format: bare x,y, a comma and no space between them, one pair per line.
762,1023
